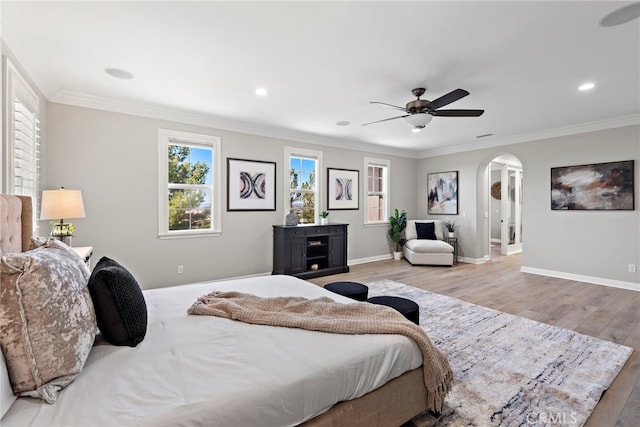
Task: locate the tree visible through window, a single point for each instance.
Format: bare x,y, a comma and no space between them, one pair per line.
189,181
302,196
189,178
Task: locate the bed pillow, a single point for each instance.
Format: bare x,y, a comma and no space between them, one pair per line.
121,310
426,230
47,320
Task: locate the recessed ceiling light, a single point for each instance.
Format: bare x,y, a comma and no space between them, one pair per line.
586,86
261,91
119,73
343,123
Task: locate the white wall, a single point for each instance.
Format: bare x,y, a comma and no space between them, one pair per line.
595,246
112,158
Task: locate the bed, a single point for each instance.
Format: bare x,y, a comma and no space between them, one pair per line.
202,370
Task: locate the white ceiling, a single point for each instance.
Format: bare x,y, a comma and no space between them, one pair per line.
323,62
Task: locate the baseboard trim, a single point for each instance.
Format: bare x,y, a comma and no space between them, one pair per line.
472,260
369,259
582,278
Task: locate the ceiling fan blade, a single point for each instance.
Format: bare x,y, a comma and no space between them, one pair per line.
457,113
386,120
389,105
447,99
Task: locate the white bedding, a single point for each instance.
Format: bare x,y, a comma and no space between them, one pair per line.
203,370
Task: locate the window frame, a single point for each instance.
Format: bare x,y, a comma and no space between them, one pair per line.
15,86
386,164
310,154
168,137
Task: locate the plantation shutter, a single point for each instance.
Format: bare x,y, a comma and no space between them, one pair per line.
26,151
23,140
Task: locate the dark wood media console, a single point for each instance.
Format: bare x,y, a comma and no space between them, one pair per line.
307,251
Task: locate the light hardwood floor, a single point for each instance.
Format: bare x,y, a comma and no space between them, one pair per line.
600,311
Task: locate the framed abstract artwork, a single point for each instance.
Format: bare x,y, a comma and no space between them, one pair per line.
342,189
442,193
596,187
251,185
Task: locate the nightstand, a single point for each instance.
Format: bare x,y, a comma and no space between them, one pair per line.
85,253
453,241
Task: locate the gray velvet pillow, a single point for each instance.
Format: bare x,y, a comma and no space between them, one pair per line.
47,320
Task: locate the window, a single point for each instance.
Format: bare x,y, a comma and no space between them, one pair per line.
302,183
22,150
377,187
189,189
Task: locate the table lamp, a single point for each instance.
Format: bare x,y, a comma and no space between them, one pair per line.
60,205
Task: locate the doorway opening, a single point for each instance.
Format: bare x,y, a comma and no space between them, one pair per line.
505,177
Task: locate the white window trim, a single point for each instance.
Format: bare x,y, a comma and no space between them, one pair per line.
303,152
15,85
369,161
165,138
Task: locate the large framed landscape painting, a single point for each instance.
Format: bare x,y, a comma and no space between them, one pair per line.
342,189
251,185
598,186
442,193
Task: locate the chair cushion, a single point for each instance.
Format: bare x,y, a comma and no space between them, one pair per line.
47,320
121,310
428,246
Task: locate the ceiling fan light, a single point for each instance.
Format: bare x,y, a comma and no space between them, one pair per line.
417,129
418,120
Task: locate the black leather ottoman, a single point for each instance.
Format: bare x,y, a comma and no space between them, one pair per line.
353,290
408,308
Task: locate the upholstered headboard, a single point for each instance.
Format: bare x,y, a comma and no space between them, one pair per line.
16,223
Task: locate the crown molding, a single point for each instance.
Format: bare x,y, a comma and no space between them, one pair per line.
611,123
199,119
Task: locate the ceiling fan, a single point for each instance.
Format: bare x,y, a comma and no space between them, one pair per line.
418,113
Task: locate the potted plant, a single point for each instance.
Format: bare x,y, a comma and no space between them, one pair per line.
450,226
397,224
324,215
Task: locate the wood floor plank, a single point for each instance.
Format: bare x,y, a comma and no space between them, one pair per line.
605,312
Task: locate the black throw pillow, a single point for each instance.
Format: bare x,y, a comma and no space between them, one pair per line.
426,230
121,311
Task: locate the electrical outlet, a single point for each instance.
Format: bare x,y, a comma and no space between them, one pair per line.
632,268
180,269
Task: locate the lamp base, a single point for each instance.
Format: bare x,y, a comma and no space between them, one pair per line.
62,232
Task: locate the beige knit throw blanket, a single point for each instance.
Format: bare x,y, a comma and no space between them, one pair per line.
325,315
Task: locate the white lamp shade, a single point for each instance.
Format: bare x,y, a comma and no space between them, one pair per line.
419,120
61,204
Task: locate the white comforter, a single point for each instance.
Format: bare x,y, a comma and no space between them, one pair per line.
203,370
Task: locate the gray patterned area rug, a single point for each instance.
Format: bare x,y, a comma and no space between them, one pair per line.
508,370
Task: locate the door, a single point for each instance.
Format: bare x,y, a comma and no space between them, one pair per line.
511,222
336,250
297,255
